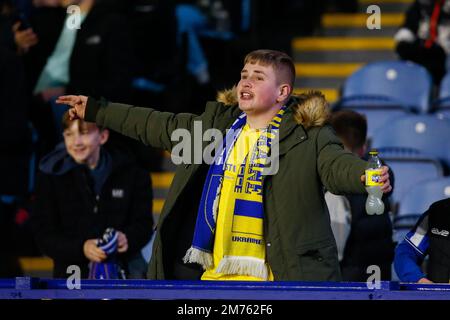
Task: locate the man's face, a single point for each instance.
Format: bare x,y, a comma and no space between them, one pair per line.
83,142
258,90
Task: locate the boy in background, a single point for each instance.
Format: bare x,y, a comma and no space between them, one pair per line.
83,189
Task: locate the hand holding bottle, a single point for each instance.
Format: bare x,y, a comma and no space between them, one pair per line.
375,180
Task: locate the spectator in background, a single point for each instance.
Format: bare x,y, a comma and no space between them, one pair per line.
84,188
369,239
198,20
15,137
192,22
424,38
430,237
6,15
15,141
153,32
94,59
15,154
158,66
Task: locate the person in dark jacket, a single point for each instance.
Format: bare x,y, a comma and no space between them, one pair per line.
429,237
15,135
225,222
424,36
15,153
98,55
94,58
370,239
15,141
83,189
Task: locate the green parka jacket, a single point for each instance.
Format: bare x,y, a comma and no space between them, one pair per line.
299,241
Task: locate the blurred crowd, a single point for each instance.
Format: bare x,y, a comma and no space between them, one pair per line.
172,54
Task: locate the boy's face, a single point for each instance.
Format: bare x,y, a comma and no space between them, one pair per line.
83,142
258,90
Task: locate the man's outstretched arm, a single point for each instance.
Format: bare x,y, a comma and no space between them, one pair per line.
150,126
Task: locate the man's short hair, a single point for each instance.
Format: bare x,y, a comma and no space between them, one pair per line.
351,127
279,61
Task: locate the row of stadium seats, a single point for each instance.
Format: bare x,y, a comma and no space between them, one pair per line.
416,202
410,130
387,89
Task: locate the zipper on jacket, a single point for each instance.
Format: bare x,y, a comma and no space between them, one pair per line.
95,197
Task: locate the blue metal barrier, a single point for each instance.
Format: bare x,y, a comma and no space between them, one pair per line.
35,288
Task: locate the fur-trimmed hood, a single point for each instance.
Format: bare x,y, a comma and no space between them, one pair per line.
310,109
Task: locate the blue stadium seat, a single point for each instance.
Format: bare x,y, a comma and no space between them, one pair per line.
389,83
444,90
378,117
443,113
442,105
410,169
425,134
384,90
402,225
419,198
416,202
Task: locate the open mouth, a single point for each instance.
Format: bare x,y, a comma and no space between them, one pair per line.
78,150
245,95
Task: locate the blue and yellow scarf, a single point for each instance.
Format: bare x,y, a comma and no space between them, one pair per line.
240,257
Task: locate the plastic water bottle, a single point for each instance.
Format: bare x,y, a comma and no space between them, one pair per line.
374,204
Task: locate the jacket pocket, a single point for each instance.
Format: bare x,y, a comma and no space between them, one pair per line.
319,263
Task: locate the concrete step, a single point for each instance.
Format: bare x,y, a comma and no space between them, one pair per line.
162,179
342,43
36,266
158,204
326,70
351,32
331,94
385,6
368,2
161,183
319,82
343,56
359,20
167,164
160,193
